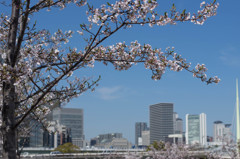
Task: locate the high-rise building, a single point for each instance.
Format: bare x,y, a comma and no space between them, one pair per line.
196,130
139,127
146,138
228,132
222,132
179,126
36,137
161,121
175,116
72,118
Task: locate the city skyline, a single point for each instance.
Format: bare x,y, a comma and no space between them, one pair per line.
209,125
162,117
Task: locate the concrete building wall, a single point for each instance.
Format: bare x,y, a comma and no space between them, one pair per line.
115,143
146,138
203,129
139,127
222,132
179,126
161,121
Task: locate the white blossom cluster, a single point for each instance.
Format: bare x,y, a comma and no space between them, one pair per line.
58,3
207,11
40,63
166,151
123,57
178,151
143,11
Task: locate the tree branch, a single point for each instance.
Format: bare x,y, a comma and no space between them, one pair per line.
22,31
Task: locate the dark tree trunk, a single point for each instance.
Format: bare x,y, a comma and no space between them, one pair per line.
8,90
8,121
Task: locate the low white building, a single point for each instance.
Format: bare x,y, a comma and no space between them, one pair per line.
115,143
176,138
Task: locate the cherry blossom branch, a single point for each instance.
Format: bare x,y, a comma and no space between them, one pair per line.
59,3
43,54
53,83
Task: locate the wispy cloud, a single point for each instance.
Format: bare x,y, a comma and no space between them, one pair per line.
231,56
110,93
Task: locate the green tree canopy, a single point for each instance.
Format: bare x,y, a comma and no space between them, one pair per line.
156,146
67,148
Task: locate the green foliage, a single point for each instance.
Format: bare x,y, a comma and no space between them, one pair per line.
238,146
67,148
156,146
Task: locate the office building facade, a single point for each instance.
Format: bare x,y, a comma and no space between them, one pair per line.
139,127
222,132
73,120
146,138
196,129
109,136
175,116
179,126
111,140
36,137
50,137
161,121
115,143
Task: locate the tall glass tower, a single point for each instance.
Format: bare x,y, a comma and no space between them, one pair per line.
196,131
73,119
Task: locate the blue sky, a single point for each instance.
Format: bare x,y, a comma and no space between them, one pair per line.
123,98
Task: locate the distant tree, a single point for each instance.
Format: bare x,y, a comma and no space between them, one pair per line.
156,146
67,148
34,63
